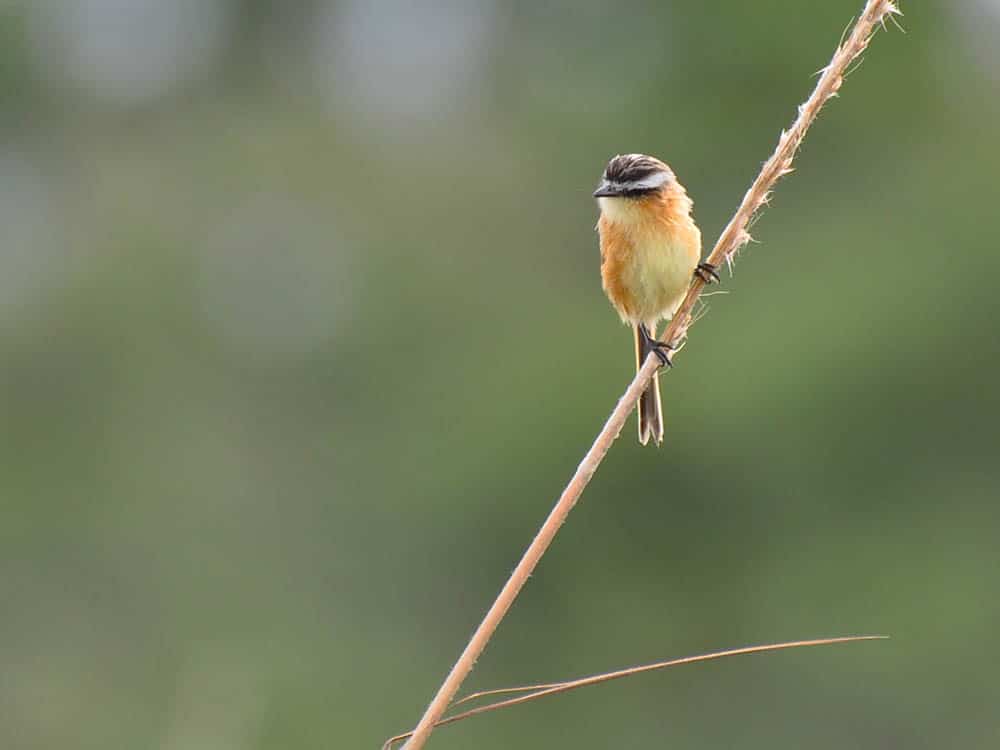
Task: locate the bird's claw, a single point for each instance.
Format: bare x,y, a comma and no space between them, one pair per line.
662,352
708,272
661,349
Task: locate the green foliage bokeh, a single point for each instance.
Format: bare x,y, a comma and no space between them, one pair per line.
298,351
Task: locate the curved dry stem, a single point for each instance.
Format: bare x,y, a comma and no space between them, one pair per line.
733,237
553,688
505,691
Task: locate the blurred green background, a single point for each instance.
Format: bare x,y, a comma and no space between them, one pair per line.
303,333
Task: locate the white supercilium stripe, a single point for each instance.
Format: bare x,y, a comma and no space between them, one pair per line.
654,180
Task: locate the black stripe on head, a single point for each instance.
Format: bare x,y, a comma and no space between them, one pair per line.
629,171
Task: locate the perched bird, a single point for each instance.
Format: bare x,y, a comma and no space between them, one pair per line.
650,248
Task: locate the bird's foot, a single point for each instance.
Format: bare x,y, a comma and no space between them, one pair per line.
662,352
660,348
708,272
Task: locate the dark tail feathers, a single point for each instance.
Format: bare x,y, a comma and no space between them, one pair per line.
650,409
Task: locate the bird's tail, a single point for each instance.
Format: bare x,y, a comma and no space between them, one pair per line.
650,410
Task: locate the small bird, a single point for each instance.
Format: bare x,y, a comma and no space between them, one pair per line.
650,248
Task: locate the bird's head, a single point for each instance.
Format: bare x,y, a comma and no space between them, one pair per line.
634,188
633,176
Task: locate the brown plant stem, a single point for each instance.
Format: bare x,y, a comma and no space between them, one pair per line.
733,237
552,688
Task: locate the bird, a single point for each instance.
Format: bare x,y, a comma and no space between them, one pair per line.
650,251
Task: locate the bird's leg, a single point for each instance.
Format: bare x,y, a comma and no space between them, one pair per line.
660,348
707,272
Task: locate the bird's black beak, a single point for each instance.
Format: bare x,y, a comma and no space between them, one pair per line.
606,190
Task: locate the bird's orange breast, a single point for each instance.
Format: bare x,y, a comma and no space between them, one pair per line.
649,250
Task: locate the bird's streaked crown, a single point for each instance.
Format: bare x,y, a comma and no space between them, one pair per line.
633,175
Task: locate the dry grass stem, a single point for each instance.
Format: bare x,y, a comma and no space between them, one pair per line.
553,688
733,238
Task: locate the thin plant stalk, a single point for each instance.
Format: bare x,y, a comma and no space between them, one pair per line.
540,691
732,239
